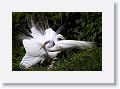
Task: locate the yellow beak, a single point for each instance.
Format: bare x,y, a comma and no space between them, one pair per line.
43,45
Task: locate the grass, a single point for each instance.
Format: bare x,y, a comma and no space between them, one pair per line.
70,60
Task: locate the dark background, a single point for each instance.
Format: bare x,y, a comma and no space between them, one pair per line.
84,26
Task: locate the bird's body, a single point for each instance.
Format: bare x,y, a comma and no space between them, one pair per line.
34,52
46,43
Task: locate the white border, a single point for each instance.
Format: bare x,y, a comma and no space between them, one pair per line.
104,76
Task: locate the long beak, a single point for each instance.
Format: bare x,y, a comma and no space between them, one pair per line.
43,45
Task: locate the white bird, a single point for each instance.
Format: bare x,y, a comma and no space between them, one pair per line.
33,46
48,43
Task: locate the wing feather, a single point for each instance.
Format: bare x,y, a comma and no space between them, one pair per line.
29,60
34,53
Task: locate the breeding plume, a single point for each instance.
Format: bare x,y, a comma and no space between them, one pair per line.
45,44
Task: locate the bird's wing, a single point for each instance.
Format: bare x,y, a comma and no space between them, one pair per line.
67,44
33,47
34,53
35,32
29,60
50,34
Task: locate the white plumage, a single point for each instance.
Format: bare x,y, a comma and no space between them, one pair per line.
67,44
45,44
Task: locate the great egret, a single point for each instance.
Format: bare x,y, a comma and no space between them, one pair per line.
46,43
33,45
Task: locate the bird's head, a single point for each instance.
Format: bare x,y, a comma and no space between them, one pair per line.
51,43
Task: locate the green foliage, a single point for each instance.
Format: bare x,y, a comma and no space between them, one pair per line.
78,26
84,60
